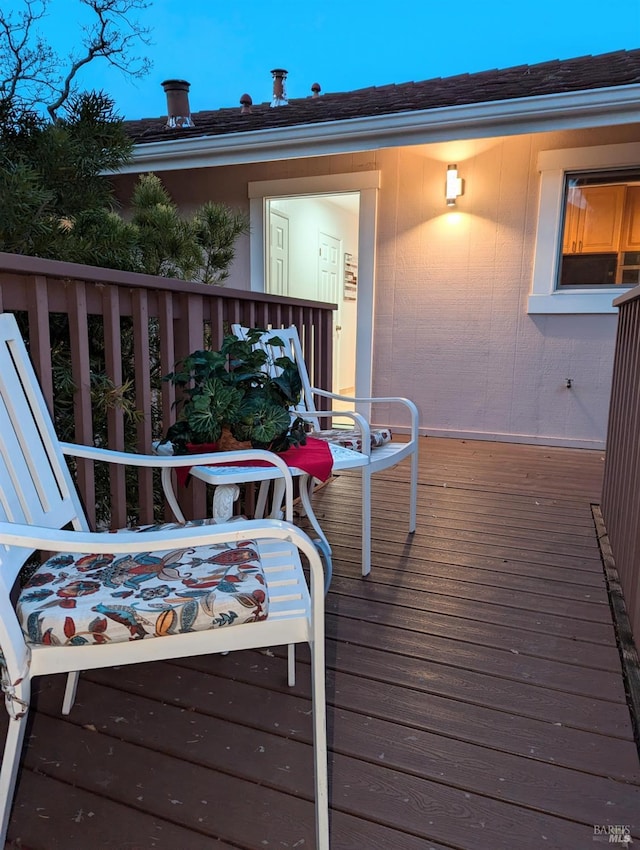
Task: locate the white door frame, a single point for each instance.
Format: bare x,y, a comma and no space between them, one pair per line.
367,183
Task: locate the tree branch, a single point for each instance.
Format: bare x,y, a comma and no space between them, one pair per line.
23,64
32,73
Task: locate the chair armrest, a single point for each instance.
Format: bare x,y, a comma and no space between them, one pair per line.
406,402
55,540
358,418
168,462
173,461
106,542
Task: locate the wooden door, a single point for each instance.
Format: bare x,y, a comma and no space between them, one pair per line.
330,289
328,268
278,261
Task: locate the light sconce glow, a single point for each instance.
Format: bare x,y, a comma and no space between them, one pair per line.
453,188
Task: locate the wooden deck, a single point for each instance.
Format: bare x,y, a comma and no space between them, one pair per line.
475,692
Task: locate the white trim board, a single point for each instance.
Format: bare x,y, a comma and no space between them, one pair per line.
324,184
561,111
553,165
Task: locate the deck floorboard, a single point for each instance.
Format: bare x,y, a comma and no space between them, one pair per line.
475,692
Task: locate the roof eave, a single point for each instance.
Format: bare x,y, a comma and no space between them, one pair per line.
562,111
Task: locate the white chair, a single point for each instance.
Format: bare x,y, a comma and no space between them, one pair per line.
380,457
110,599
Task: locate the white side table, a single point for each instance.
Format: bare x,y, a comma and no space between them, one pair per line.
226,479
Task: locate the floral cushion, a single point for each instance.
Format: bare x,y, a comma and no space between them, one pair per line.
78,599
351,438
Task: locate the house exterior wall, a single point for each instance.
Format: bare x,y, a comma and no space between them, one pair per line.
451,328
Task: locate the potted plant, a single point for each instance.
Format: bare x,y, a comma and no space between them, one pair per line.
240,396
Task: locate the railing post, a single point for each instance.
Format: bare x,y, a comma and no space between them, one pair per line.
82,403
40,336
115,417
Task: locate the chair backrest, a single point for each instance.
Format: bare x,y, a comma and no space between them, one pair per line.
292,347
36,487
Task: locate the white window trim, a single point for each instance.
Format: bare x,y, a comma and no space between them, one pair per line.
553,165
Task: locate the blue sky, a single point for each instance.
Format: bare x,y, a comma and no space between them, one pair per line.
226,49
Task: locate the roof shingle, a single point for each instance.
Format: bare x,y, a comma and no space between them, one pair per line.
569,75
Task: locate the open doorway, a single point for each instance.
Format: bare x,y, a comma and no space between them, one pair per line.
311,252
342,191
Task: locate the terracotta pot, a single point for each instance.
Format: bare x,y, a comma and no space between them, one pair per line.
228,443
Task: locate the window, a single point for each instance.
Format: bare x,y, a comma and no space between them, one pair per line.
588,242
601,235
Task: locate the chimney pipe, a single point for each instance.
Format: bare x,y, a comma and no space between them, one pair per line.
279,94
178,111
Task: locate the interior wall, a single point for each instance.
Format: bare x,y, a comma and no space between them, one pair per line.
451,325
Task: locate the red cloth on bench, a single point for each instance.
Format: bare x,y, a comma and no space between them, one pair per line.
314,458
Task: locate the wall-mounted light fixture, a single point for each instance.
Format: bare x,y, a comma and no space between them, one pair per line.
453,186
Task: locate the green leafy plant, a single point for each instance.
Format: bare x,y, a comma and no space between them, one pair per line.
199,247
241,395
54,196
56,201
216,228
